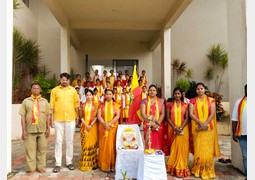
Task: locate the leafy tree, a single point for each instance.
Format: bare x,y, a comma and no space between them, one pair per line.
179,69
26,56
218,58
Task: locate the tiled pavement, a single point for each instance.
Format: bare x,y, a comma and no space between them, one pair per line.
223,171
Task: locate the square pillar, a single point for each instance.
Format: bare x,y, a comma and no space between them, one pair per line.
166,63
64,48
6,21
237,56
250,14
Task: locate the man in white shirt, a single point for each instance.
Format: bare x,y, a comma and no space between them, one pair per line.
239,125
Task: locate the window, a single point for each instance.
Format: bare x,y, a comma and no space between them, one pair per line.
122,65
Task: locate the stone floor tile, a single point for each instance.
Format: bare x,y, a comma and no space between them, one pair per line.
223,171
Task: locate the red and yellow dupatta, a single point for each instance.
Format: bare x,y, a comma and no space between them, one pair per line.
153,109
109,110
240,115
35,109
202,109
177,113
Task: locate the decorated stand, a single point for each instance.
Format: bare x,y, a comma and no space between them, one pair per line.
129,147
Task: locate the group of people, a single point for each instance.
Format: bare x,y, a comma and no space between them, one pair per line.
119,84
191,127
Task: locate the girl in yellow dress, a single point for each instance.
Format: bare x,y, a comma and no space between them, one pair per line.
88,132
177,117
204,133
108,116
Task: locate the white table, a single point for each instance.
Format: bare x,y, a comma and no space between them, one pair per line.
128,159
152,167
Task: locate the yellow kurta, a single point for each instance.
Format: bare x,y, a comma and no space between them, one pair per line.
205,143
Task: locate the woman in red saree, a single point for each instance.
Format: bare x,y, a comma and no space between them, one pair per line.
177,116
204,133
153,111
88,133
108,116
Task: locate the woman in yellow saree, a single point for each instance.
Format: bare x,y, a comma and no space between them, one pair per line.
88,133
108,116
177,116
204,133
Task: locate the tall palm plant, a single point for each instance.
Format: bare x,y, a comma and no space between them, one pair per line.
26,55
178,68
16,4
218,58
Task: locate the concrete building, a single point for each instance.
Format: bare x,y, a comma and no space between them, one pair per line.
74,35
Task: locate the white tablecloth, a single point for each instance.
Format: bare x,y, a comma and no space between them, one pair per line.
152,167
128,159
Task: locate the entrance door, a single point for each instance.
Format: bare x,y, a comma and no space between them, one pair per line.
122,65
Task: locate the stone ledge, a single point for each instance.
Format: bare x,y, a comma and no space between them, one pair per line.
223,127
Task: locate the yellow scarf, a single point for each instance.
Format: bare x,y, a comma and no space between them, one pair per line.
96,98
35,109
240,116
202,110
99,88
177,114
148,109
112,79
88,112
108,113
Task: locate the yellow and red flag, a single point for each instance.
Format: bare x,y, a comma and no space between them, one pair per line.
134,110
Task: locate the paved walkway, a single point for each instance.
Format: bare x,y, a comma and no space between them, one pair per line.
223,171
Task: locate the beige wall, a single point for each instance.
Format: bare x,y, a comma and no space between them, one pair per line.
37,23
156,65
104,52
49,39
26,21
77,60
202,24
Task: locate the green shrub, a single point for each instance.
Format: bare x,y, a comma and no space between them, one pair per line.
46,84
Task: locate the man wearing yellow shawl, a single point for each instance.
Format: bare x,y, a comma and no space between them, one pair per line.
88,133
108,116
204,133
239,125
177,117
35,122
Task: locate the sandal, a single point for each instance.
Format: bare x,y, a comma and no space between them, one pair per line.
222,160
228,160
70,167
56,169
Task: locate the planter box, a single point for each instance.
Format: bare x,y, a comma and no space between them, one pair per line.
223,127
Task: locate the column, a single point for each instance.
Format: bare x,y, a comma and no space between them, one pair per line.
6,21
166,63
250,14
64,48
237,55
